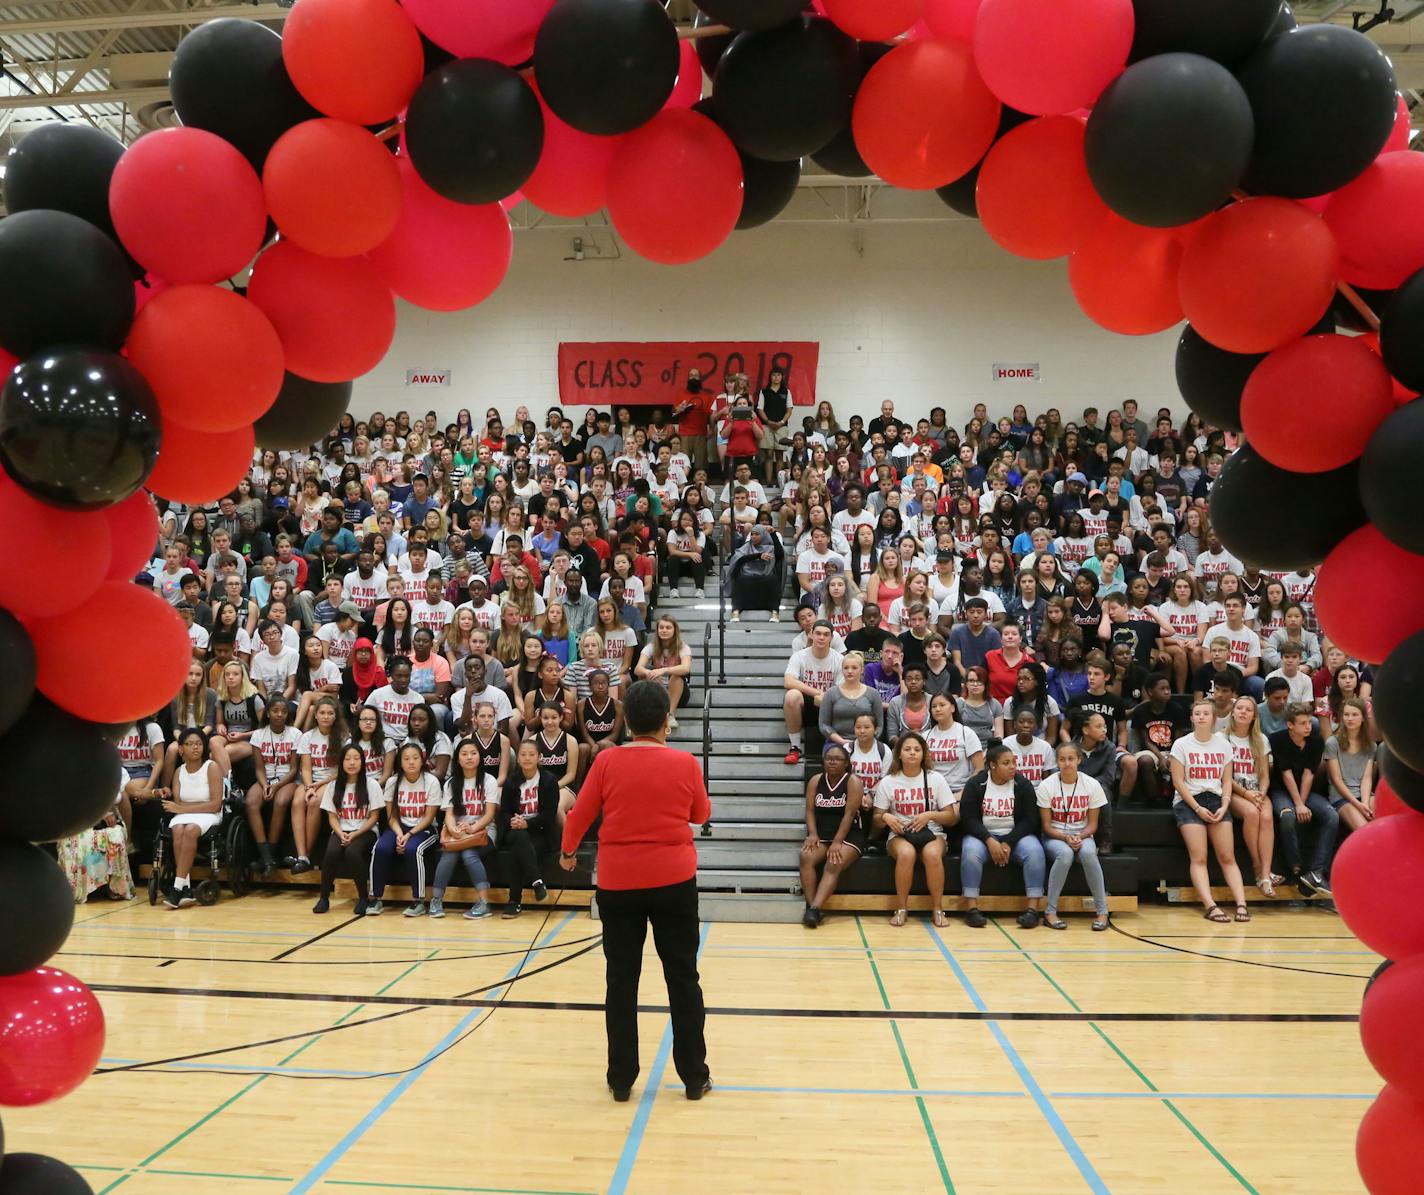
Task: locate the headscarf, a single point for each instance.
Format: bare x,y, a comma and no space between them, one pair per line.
368,676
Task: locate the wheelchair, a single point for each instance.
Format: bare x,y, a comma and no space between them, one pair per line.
227,847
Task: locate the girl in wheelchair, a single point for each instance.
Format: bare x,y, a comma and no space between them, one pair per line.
196,806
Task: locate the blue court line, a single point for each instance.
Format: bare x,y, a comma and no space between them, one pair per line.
342,1147
948,1093
1050,1114
220,1066
634,1141
1068,952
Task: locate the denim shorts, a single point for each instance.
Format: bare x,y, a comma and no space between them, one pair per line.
1187,816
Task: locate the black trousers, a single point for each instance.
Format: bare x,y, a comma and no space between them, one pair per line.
673,913
524,850
352,860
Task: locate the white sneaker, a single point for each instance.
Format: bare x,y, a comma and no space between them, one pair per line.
672,593
672,723
701,594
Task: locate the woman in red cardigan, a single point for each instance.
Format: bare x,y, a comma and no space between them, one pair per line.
647,872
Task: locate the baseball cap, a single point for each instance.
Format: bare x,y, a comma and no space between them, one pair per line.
1079,477
944,554
351,610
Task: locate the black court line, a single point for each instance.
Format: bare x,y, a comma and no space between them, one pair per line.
326,933
1274,937
868,1014
1243,962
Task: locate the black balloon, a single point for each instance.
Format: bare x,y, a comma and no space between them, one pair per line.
606,66
786,93
474,131
1212,380
752,14
1250,494
78,428
61,775
65,283
303,413
842,157
767,188
710,49
962,195
1402,333
37,905
1325,102
1408,785
1284,23
228,77
36,1174
1168,141
1226,30
64,167
1388,472
17,666
1399,712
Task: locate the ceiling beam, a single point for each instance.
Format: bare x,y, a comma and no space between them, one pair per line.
133,96
148,19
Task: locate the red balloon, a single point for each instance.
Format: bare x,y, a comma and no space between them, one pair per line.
1386,803
212,358
1047,57
359,60
1374,866
333,221
133,535
1313,405
572,176
443,256
1124,276
335,316
51,1035
146,288
1389,1147
688,88
1034,195
187,206
1399,135
953,19
1259,275
675,187
1389,1025
874,20
31,531
1380,241
197,466
1364,562
143,668
500,29
923,117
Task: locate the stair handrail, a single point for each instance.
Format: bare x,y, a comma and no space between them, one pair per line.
706,656
723,581
707,751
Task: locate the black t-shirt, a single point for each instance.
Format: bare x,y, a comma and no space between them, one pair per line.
1287,757
868,642
1163,729
1204,679
569,452
914,648
1110,705
1140,634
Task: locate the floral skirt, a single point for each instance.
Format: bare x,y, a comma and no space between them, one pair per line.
95,858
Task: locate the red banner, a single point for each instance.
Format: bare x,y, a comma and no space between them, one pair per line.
614,373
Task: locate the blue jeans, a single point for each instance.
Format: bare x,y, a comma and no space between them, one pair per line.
1324,820
1061,856
1027,853
474,867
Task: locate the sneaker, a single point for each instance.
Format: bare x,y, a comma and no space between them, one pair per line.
775,617
540,891
475,912
736,616
672,723
696,1093
1029,919
793,757
288,862
1320,885
1305,883
437,908
701,593
170,898
360,909
672,593
511,911
416,910
374,908
322,905
185,896
301,865
975,919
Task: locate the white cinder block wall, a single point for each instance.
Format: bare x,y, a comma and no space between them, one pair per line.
920,314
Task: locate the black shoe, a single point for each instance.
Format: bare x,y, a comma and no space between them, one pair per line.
288,862
1305,883
696,1093
511,911
300,865
621,1094
809,918
1029,919
322,905
974,919
266,868
540,891
170,898
360,909
1319,885
185,896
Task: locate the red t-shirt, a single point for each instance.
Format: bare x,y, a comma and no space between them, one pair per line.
694,419
646,837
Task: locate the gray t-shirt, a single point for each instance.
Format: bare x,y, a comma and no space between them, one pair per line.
839,712
1352,766
980,720
973,649
612,444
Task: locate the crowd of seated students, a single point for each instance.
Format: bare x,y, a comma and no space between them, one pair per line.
1007,630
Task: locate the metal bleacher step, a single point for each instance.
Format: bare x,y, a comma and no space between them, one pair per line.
753,768
789,786
742,879
755,831
785,809
765,908
733,733
747,856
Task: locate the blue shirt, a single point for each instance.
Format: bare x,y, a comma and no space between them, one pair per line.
345,543
546,545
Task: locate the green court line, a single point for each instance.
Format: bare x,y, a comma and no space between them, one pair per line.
422,1187
1132,1066
905,1061
228,1103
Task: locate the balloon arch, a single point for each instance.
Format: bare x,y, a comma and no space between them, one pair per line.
1205,160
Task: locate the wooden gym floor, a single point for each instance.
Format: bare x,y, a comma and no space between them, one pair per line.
342,1056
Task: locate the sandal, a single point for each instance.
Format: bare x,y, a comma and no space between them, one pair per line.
899,918
1243,913
940,919
1100,924
1266,886
1275,879
1217,914
1053,921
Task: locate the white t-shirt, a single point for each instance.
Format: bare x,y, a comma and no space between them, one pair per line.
411,798
394,709
841,619
1070,802
896,614
1301,688
1034,757
270,673
1243,762
276,750
339,644
756,496
486,616
633,592
802,641
1212,565
350,816
616,643
1203,764
491,695
819,674
198,637
1186,620
136,754
812,564
846,523
870,765
433,617
998,815
1245,643
475,799
945,596
325,673
364,591
951,751
321,751
905,796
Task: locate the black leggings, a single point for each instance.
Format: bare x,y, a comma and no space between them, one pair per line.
352,860
523,850
676,565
